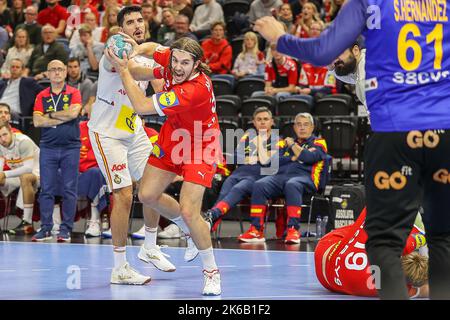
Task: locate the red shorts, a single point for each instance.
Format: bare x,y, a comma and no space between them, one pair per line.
198,173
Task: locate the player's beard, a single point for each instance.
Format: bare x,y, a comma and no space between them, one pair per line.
345,68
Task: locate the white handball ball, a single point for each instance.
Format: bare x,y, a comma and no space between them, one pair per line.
118,45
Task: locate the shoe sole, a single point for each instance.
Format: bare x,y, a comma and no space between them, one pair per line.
212,294
189,260
91,235
63,240
252,240
43,239
292,241
132,284
149,261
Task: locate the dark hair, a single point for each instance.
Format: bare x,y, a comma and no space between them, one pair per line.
3,104
194,48
261,110
72,59
127,10
219,23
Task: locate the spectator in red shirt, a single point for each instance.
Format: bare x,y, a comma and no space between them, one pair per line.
55,15
218,53
306,18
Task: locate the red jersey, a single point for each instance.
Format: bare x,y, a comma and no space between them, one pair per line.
341,259
191,107
87,156
52,15
288,70
316,77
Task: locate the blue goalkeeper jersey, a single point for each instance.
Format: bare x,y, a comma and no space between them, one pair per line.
407,59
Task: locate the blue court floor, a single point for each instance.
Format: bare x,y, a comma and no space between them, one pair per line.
82,271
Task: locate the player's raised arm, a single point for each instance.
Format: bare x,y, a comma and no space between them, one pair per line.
320,51
145,49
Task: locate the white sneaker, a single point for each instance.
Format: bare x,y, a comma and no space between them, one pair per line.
107,234
212,283
55,228
172,231
157,258
191,250
93,229
140,234
127,275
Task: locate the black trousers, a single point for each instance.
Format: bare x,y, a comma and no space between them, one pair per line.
404,171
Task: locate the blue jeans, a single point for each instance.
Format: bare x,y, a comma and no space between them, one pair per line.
50,161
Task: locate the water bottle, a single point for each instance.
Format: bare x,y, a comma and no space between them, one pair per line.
324,225
105,222
319,227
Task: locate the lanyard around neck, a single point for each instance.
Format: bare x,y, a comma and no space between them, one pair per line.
55,105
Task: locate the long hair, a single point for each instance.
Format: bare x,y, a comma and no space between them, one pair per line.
415,267
27,42
193,47
255,50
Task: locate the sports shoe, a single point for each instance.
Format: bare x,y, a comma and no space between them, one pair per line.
252,235
127,275
42,235
191,250
157,258
93,229
55,228
63,236
213,220
107,234
23,228
293,236
172,231
140,234
211,283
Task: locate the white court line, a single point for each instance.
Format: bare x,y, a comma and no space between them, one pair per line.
227,266
262,265
40,270
189,267
7,270
299,265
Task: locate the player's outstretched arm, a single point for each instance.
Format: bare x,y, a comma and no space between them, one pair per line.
139,72
145,49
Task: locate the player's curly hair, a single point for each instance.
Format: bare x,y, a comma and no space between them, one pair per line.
194,48
415,267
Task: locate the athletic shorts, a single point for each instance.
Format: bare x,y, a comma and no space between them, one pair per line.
201,173
121,160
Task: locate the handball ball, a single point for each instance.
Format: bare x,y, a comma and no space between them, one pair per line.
118,45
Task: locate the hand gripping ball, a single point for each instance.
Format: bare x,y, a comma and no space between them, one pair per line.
119,45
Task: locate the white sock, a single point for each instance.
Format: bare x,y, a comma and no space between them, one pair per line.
56,214
150,237
180,222
209,262
120,256
95,215
28,212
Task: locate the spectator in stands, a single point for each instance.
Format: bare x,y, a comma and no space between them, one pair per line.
281,76
19,92
262,8
306,154
297,6
151,27
250,62
217,50
22,50
45,52
181,29
31,25
87,7
167,31
56,111
89,51
304,22
77,79
96,31
182,7
205,16
5,115
109,20
157,11
285,15
252,154
5,16
316,81
17,13
332,9
21,156
55,15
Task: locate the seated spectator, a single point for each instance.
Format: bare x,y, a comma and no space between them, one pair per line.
285,15
263,8
55,15
21,155
45,52
316,81
86,7
109,20
5,115
31,25
151,27
182,7
217,50
300,175
17,14
333,9
205,16
252,154
19,92
74,34
167,31
89,51
5,16
76,79
21,50
303,23
281,76
181,29
250,62
297,6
